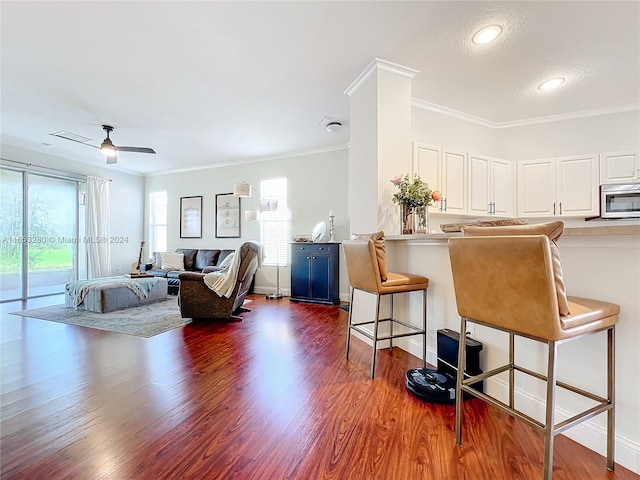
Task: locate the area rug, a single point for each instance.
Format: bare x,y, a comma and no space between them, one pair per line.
143,321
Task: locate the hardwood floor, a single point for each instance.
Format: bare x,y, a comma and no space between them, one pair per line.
271,397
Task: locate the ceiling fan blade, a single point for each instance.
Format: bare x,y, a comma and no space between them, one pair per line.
111,159
135,149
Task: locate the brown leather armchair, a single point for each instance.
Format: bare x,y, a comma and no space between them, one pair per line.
197,300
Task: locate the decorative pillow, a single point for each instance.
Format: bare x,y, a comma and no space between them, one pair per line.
227,260
156,259
381,254
553,230
172,261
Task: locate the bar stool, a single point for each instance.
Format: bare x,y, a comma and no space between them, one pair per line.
366,266
508,283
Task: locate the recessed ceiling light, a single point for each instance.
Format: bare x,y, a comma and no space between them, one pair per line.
551,84
487,34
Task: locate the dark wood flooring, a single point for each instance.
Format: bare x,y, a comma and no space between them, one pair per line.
269,398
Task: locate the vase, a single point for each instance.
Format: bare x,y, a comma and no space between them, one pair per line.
406,219
421,220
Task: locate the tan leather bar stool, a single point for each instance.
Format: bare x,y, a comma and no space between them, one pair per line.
508,283
364,268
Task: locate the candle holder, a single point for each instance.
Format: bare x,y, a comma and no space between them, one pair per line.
331,229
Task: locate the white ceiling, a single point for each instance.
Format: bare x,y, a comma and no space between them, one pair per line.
207,83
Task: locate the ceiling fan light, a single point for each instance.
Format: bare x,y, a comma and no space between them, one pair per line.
487,34
107,148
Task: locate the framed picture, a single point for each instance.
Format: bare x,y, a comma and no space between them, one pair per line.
190,217
227,216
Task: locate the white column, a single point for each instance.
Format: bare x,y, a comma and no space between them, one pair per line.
380,126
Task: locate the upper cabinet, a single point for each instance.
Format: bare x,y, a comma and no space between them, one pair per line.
443,170
563,186
490,186
427,162
619,167
454,174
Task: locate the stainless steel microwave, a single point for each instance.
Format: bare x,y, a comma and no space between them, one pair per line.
620,200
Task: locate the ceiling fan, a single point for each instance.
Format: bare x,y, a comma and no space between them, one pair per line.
110,150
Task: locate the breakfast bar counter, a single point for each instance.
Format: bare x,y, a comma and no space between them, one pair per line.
600,262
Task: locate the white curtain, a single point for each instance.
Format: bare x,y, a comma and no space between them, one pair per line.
98,228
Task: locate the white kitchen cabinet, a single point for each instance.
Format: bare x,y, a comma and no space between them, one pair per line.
503,187
478,184
563,186
443,170
490,186
427,162
454,185
619,167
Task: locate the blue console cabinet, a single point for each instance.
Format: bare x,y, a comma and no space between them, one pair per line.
315,272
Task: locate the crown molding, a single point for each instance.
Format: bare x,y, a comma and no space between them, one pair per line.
433,107
249,160
379,64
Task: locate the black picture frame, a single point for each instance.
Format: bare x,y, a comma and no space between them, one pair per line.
227,216
191,217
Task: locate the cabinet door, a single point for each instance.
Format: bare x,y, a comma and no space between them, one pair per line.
300,274
478,185
577,186
319,279
427,162
536,188
620,167
502,187
454,174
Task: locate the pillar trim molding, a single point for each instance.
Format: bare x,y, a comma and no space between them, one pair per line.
379,64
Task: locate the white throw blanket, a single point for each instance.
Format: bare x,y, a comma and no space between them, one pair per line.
224,281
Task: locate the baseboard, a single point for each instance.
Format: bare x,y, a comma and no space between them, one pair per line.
286,292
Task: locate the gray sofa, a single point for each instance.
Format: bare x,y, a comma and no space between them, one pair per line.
195,260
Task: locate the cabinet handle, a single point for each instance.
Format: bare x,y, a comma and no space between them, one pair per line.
313,258
554,208
494,208
308,258
445,205
560,208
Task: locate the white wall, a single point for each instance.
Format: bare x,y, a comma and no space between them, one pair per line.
448,132
599,134
126,193
317,183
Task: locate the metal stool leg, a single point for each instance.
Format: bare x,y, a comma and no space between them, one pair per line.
549,425
424,327
349,326
391,324
611,392
512,362
375,336
462,348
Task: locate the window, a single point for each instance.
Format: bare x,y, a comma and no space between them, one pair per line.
275,225
158,221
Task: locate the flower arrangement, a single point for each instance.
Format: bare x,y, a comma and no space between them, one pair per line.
414,192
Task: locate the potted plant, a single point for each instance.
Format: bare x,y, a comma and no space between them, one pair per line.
413,196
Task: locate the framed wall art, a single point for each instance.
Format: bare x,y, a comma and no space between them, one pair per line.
227,216
191,217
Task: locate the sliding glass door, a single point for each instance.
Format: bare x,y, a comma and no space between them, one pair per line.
39,234
12,232
53,234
